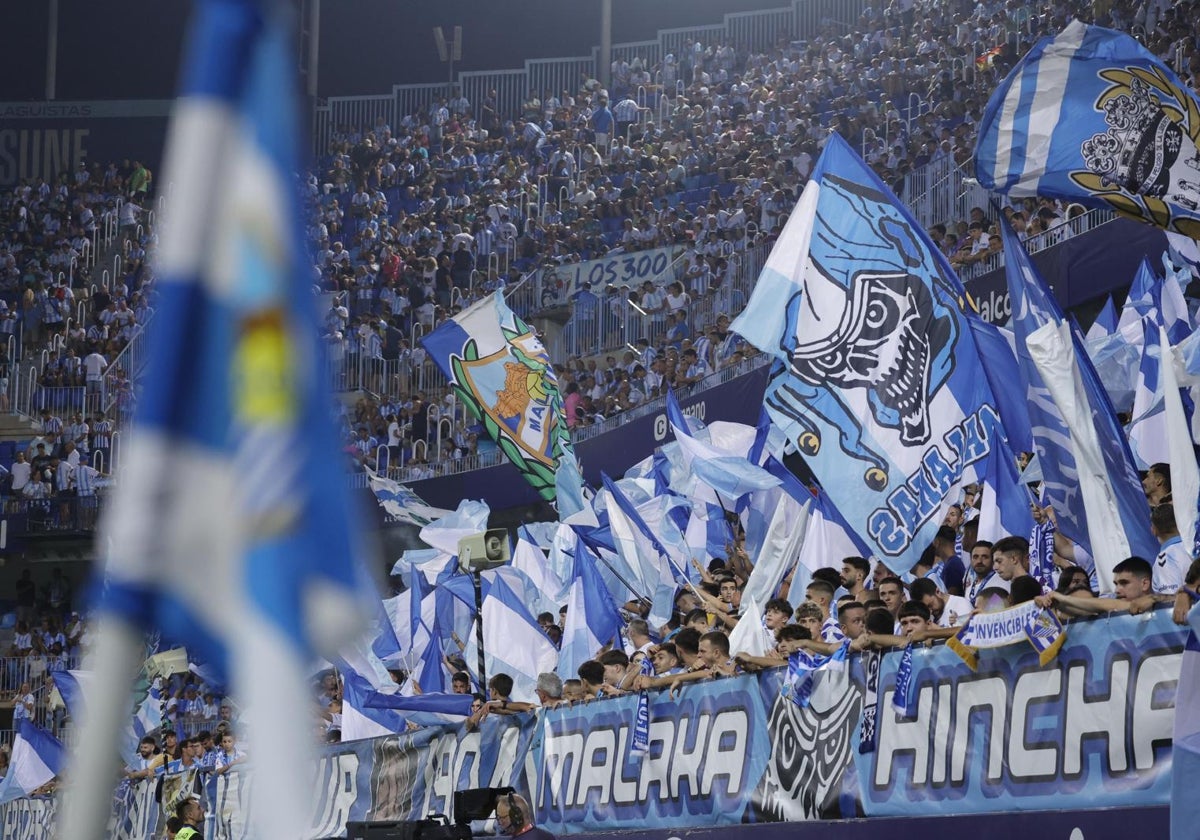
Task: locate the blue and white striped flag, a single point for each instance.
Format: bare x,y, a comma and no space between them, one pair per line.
1106,322
1085,459
1092,116
804,668
592,616
879,382
37,757
401,503
1148,426
231,530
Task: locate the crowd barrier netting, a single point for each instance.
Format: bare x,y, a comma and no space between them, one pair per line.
1091,729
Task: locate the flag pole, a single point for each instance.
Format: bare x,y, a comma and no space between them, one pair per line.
92,768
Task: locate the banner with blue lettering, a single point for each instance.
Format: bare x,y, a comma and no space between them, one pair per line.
708,749
558,284
1011,736
1094,724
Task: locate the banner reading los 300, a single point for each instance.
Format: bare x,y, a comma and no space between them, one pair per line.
1013,735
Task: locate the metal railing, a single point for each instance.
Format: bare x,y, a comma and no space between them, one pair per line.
754,30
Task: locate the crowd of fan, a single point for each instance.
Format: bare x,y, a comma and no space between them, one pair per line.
863,603
414,222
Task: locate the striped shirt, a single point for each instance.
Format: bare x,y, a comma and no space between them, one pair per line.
102,434
85,480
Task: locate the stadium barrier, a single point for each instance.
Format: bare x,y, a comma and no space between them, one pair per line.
755,30
1012,736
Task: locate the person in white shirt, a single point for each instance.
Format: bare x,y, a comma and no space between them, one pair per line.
1174,558
20,471
945,610
23,704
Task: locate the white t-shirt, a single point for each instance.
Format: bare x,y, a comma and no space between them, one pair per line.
94,364
1170,566
956,612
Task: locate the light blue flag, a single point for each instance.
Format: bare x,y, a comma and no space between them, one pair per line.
1094,449
235,399
644,554
1092,116
1000,367
360,720
1148,425
731,475
144,707
36,758
1106,321
1004,510
502,373
513,642
468,519
804,668
1032,306
592,617
401,503
881,387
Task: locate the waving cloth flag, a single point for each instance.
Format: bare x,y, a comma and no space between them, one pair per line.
233,532
592,617
1005,506
37,757
401,503
804,668
1185,473
1091,116
1105,323
880,385
1101,486
501,371
1148,428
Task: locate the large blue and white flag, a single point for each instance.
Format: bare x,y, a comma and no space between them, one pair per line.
513,642
1148,425
592,617
1000,366
233,531
1088,469
880,385
1185,472
502,373
1092,116
401,503
644,556
780,550
141,706
36,758
828,540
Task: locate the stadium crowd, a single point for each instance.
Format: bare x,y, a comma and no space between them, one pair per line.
412,223
704,152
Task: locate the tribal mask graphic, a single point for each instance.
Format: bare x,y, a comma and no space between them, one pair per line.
868,319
